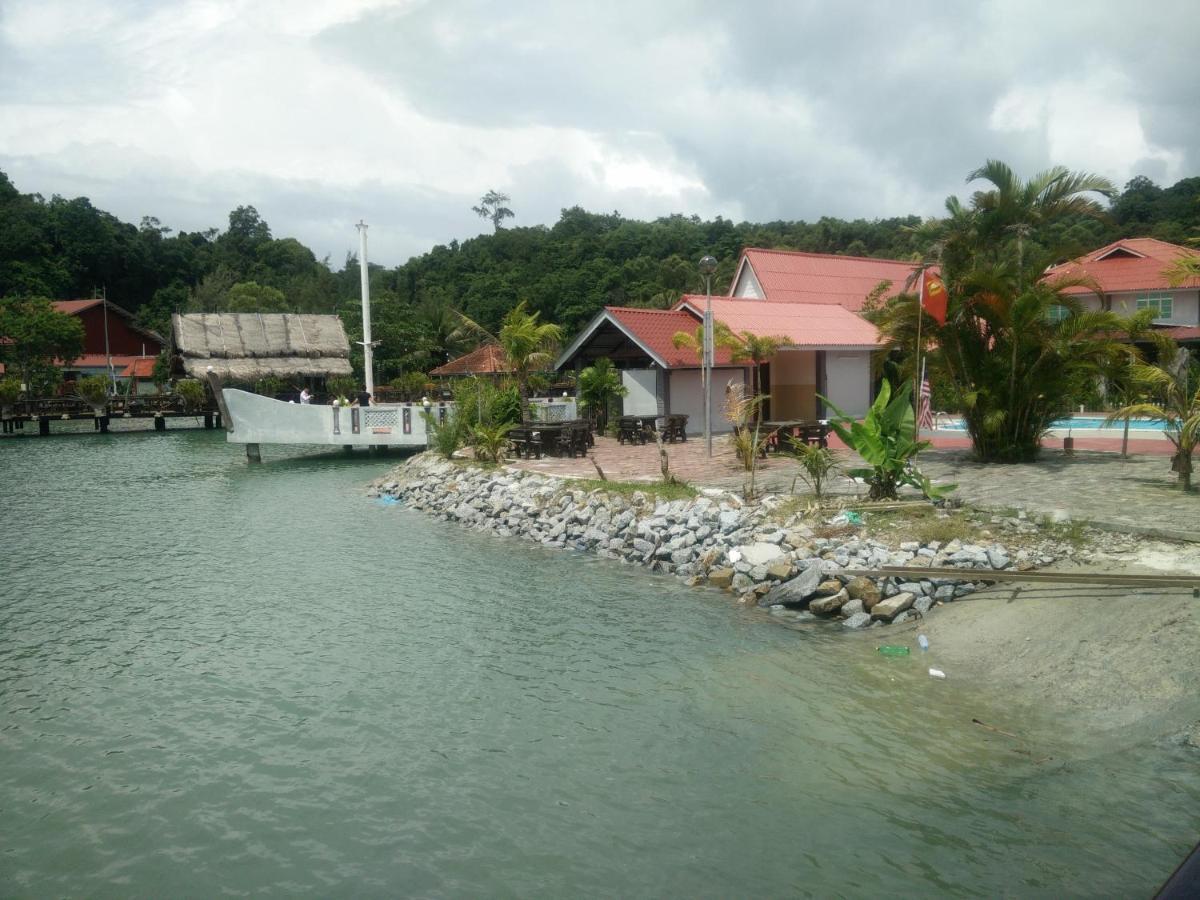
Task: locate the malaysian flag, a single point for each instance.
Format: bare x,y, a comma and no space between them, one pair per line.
925,406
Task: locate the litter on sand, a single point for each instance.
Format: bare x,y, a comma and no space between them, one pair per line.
937,673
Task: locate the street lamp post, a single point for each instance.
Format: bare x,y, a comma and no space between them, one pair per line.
708,265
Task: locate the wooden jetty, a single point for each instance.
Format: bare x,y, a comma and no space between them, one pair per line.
40,414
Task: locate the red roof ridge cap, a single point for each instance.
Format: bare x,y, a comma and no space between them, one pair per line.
811,253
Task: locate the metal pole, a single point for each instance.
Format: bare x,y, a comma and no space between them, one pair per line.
708,362
112,375
368,344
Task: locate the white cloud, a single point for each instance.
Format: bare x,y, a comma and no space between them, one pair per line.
412,110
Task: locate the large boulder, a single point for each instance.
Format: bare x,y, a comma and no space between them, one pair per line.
760,553
796,591
892,606
828,605
866,590
720,578
858,620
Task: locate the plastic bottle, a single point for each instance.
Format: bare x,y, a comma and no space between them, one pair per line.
922,642
893,650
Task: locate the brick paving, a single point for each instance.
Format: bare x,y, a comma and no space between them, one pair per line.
1138,494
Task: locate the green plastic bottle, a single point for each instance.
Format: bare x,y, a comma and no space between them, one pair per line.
893,650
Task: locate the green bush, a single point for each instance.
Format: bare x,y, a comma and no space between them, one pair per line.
191,392
473,401
506,406
817,465
10,390
341,386
490,442
270,386
93,390
444,438
411,385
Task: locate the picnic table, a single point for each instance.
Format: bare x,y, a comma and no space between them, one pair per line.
638,429
780,434
532,439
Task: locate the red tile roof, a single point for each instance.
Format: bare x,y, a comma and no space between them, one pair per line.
1184,333
140,367
822,277
73,307
97,361
486,360
803,324
654,330
1142,271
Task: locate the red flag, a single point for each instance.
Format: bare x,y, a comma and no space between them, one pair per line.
933,296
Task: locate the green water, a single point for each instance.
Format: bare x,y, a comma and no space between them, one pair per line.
218,678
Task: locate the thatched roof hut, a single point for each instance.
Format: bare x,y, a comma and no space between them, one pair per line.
250,346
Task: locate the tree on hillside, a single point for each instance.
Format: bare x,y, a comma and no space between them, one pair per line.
491,206
252,297
36,334
1013,350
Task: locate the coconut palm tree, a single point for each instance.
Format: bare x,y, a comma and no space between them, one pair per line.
757,349
1175,400
529,346
722,337
600,384
1011,353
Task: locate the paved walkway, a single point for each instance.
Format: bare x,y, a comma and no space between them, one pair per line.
1138,494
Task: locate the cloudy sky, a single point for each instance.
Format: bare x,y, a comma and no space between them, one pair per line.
404,112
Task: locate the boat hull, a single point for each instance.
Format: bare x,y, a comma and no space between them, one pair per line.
253,419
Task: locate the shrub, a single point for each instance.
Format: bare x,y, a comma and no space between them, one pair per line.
191,392
490,441
10,390
506,406
267,387
341,386
444,437
817,464
93,390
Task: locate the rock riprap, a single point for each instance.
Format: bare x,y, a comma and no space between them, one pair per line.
714,539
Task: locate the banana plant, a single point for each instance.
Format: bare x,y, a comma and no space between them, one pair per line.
884,439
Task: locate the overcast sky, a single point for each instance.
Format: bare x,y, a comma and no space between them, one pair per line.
404,113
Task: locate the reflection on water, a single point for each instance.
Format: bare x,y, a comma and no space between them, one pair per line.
218,677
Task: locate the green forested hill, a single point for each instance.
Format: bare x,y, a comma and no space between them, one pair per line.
63,248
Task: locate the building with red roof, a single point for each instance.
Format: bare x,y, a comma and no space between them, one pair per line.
488,359
1132,275
110,338
809,300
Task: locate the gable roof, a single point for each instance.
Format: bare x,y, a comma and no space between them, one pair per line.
1139,268
797,277
650,330
75,307
807,325
488,359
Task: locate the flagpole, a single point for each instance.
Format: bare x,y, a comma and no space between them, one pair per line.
917,367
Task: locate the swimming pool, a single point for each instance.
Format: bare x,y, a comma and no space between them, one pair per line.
1075,423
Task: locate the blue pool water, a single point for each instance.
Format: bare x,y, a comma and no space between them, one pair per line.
1074,423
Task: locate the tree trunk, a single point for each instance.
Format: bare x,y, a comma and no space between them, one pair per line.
1125,440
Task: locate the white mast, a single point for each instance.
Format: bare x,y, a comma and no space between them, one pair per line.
368,344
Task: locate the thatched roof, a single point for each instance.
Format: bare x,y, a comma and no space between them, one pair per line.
249,346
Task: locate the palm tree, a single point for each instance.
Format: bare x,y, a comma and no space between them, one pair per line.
722,337
1176,401
758,349
600,384
1006,353
529,346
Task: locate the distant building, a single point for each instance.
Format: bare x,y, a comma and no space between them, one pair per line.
112,344
811,300
1131,275
488,360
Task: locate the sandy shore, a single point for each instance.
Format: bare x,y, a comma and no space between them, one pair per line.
1086,661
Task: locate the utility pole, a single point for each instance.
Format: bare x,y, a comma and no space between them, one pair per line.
367,344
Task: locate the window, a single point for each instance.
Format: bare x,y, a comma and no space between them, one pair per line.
1057,312
1162,304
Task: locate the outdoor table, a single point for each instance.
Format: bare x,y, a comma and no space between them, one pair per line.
798,430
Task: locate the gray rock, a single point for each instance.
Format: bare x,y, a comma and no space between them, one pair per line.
729,520
853,606
742,582
760,553
858,620
998,559
831,604
889,608
795,591
643,546
923,604
945,593
903,617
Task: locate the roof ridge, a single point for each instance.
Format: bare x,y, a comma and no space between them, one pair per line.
810,253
